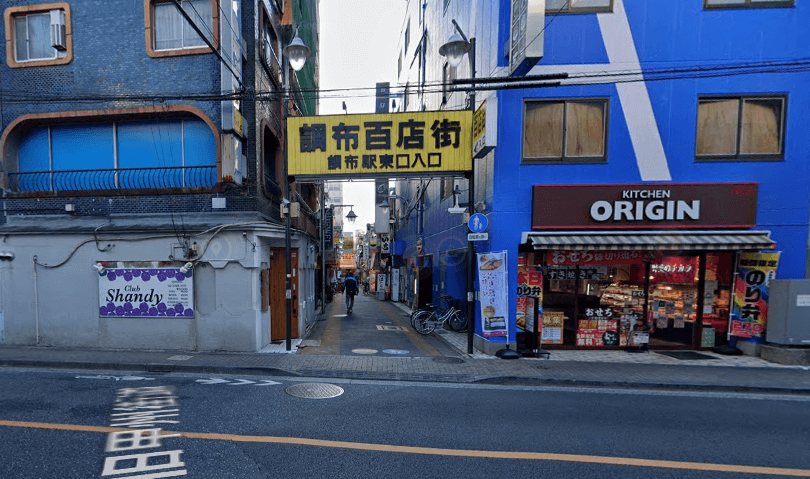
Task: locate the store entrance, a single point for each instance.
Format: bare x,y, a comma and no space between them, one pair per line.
672,300
596,299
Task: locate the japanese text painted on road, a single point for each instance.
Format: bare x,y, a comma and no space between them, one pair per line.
397,144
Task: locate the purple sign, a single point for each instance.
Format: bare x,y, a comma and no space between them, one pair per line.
146,292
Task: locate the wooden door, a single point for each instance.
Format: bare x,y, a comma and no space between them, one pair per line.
278,303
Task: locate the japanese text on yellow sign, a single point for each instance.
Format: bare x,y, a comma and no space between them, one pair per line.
379,145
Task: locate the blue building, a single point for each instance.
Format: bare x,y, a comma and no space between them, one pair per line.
645,155
142,159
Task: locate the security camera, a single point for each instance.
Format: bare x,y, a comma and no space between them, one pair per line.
184,269
285,202
98,267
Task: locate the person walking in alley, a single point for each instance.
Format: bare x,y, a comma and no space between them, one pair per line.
351,289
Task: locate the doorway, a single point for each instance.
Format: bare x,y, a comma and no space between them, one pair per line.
278,301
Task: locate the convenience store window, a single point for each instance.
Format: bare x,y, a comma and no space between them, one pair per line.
593,299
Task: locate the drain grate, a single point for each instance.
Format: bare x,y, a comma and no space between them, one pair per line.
385,327
447,360
686,355
314,390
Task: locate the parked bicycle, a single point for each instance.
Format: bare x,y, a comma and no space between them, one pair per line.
425,321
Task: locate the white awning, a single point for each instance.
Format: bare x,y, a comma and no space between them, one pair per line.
650,240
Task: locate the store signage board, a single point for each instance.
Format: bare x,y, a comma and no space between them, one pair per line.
384,145
485,127
528,22
146,291
639,206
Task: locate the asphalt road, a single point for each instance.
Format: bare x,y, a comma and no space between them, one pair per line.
55,424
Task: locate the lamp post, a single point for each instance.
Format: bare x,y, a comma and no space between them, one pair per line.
455,48
295,55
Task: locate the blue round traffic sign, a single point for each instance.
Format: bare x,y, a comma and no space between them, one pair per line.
478,223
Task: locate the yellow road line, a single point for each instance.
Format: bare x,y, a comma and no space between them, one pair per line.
534,456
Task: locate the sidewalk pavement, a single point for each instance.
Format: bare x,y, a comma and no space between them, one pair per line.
564,368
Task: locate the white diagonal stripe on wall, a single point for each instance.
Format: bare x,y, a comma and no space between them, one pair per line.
634,97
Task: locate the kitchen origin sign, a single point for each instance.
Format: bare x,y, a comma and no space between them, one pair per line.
706,205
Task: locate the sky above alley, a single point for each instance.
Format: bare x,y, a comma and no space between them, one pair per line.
358,48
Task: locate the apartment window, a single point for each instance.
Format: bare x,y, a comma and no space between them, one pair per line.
740,128
173,31
746,3
568,130
579,6
39,35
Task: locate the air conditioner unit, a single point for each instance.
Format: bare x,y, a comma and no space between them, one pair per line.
58,30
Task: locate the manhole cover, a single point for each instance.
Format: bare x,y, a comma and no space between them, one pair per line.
396,351
364,351
447,360
314,390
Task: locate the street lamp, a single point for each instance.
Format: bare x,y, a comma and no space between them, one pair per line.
295,55
455,48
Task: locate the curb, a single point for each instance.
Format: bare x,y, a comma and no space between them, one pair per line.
158,368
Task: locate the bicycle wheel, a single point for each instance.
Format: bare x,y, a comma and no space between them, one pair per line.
458,321
425,323
417,313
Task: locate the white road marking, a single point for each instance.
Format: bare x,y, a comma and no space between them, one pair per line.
117,378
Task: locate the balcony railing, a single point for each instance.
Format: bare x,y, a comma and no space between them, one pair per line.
114,179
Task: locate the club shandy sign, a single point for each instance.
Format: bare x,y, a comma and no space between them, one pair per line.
146,292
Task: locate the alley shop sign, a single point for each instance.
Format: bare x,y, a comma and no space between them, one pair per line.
697,205
145,292
380,145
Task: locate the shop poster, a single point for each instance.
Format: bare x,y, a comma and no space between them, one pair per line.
553,327
749,309
493,294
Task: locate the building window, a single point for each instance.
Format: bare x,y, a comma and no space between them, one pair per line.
38,35
569,130
407,35
448,183
740,128
746,3
170,34
173,31
448,75
153,154
579,6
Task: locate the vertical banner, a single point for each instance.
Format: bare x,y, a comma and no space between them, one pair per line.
494,310
749,310
395,284
529,293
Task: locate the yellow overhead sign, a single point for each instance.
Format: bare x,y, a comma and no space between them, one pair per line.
379,145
